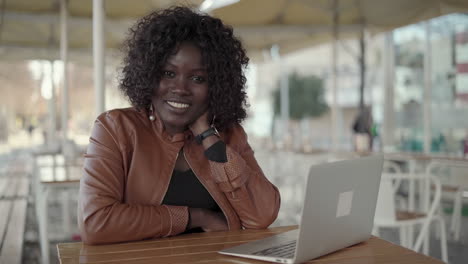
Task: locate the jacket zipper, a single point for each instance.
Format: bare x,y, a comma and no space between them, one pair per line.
172,171
208,190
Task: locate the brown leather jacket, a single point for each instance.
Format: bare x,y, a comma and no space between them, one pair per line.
128,167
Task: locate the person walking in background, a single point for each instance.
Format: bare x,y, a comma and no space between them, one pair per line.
178,160
362,130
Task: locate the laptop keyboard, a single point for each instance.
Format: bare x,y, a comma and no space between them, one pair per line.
282,251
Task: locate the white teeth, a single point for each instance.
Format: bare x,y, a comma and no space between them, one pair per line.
177,105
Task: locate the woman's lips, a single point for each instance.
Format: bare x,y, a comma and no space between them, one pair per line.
178,105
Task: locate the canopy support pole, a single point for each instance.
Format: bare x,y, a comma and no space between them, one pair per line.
64,58
51,134
284,95
334,106
427,102
388,126
98,55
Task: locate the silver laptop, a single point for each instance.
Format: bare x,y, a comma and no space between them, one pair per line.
338,212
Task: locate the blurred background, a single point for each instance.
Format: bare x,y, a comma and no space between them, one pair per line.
328,80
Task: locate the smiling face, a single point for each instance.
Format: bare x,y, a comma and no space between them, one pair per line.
182,95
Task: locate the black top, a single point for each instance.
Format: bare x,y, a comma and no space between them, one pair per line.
217,152
186,190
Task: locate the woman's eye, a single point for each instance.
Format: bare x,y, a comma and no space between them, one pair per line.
198,79
169,74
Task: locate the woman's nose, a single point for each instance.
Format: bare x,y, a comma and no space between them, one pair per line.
181,86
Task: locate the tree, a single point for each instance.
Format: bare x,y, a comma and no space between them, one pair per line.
306,97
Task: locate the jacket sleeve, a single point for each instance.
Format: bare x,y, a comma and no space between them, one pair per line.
103,215
255,200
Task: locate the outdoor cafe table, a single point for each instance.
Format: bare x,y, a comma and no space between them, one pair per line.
203,248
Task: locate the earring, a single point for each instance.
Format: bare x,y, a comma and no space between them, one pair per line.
213,121
151,117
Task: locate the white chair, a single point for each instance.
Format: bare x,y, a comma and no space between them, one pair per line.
454,180
388,215
392,167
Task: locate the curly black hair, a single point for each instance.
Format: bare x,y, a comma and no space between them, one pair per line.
157,35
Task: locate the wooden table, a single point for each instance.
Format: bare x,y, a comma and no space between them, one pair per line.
424,156
203,247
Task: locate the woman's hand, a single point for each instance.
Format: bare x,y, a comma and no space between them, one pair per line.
200,125
207,220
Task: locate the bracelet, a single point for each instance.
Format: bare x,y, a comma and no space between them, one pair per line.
209,132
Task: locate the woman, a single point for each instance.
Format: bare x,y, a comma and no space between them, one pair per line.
161,168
